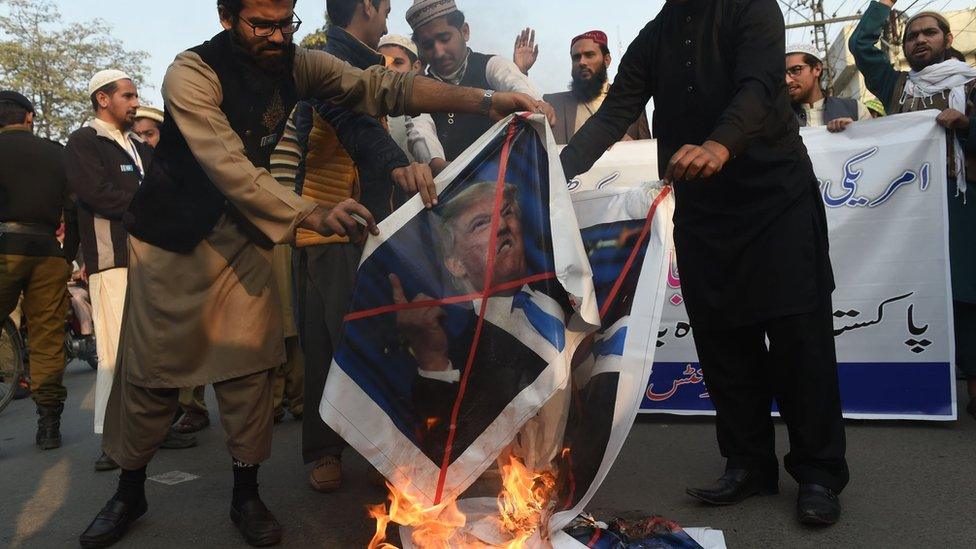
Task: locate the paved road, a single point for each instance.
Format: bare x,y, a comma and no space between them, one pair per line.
914,485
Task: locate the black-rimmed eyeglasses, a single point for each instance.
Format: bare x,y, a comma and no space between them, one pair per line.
796,70
268,29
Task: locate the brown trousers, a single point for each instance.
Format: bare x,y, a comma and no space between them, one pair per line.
290,379
289,382
138,418
44,283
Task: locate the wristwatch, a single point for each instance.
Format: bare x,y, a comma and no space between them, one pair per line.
485,107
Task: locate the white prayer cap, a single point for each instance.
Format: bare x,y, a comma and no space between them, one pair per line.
397,40
102,78
808,49
151,113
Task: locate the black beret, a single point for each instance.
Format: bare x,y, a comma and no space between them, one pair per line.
12,96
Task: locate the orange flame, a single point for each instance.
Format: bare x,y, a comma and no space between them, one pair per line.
433,527
524,507
525,502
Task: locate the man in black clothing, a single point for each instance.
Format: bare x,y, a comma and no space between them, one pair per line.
750,234
34,199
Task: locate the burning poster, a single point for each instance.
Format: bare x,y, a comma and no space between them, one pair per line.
463,319
479,337
626,234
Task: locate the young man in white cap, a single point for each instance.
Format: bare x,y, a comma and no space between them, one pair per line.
402,56
202,307
804,70
105,164
146,125
441,34
936,81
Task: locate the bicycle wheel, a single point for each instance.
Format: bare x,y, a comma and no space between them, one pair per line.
11,361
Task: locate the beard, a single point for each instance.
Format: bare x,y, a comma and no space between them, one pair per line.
275,64
588,89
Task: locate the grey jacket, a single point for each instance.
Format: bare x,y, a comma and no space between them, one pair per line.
566,105
834,108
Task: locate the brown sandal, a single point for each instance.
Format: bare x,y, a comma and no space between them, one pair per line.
191,423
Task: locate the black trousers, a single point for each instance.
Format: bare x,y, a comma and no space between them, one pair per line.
797,367
324,277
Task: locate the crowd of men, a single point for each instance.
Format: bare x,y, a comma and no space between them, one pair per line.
220,237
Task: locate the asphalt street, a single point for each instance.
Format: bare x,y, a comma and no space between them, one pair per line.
913,485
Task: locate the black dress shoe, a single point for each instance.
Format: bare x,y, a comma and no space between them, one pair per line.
111,523
256,523
105,463
817,505
735,486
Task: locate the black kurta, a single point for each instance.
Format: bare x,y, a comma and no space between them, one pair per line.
752,240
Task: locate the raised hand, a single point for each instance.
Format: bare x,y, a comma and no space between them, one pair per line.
526,50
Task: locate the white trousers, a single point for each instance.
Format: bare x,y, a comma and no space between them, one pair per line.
107,290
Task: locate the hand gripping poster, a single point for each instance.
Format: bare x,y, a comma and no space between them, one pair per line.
495,349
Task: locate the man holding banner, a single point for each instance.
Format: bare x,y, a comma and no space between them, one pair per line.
751,238
937,81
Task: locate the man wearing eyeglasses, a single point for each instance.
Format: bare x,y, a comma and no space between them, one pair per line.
202,307
813,108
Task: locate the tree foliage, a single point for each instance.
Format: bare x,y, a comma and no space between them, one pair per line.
314,40
51,61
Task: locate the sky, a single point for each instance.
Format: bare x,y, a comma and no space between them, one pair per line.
164,29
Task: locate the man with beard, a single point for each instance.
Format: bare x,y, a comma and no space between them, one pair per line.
106,163
202,307
442,35
936,81
750,233
813,107
591,59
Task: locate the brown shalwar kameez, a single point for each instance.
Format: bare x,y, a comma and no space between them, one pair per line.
213,316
